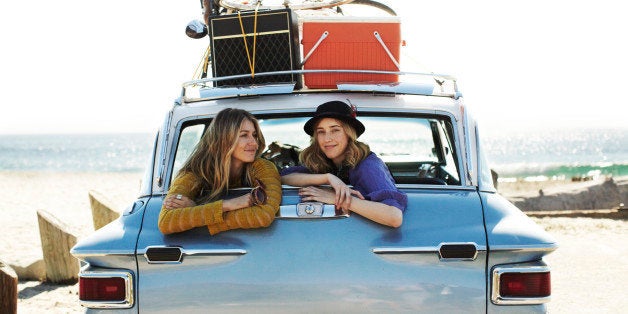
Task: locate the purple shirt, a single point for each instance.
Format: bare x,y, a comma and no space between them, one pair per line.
372,178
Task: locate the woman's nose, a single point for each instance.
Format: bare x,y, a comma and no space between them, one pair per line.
253,140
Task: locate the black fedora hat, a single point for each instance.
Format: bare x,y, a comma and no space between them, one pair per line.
337,110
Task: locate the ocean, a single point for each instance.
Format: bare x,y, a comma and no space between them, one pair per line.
514,155
76,152
557,153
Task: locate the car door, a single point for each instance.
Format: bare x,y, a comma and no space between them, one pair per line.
314,259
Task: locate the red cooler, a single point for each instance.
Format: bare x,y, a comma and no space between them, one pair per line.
350,44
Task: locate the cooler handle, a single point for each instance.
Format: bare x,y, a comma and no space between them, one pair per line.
392,58
323,36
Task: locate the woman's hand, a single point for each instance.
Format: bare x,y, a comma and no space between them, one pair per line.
343,192
236,203
175,201
329,196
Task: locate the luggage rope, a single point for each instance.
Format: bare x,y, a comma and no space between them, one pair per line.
248,56
201,68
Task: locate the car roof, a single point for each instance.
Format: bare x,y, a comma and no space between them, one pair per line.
307,102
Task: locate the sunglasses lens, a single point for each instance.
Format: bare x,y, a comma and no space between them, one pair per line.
260,196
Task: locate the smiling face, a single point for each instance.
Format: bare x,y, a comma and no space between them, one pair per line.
246,144
332,139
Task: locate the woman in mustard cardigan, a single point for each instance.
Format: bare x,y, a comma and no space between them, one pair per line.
226,157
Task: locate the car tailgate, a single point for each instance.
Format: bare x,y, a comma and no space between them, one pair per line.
435,262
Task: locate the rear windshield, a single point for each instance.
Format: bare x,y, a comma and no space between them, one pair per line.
417,150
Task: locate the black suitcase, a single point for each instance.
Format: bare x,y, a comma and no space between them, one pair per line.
276,47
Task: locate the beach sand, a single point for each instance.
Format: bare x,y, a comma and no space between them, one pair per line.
64,195
588,270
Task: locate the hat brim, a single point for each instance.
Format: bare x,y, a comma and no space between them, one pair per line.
354,123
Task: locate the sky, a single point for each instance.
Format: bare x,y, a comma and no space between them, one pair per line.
116,66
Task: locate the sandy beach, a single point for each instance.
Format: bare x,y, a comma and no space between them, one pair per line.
588,270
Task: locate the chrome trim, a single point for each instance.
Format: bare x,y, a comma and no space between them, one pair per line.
422,249
247,90
82,256
396,87
465,129
204,82
214,252
327,211
405,250
313,217
496,297
192,252
162,154
436,187
310,209
549,247
128,286
236,76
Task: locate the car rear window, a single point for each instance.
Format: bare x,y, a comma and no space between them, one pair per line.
417,150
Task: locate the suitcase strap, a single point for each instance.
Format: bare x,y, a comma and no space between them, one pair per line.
246,46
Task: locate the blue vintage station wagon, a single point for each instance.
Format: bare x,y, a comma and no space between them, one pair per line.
461,248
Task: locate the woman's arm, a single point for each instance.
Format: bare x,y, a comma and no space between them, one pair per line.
343,194
305,179
221,215
375,211
378,212
174,219
255,216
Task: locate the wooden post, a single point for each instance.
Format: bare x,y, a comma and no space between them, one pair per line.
8,289
102,210
56,242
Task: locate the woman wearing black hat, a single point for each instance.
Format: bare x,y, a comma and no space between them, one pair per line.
335,157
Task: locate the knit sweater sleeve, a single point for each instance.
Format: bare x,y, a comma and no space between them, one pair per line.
373,179
256,216
182,219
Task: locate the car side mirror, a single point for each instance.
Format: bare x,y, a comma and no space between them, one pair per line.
196,29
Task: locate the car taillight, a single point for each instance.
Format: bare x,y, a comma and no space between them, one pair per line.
525,285
106,288
102,289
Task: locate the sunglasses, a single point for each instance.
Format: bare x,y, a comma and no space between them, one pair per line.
258,193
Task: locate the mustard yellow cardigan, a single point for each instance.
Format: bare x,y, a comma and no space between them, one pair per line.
211,214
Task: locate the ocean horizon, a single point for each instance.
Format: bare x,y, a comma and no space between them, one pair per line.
532,155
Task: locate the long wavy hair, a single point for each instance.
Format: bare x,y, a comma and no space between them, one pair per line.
315,160
211,159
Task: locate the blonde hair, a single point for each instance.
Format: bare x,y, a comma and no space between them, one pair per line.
211,159
315,160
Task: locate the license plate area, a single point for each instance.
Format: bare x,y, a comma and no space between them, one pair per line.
310,210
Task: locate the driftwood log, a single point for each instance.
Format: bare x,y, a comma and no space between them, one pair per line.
102,210
8,289
56,242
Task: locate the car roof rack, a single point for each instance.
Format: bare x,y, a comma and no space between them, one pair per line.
412,83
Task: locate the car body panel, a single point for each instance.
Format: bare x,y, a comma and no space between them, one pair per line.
324,264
